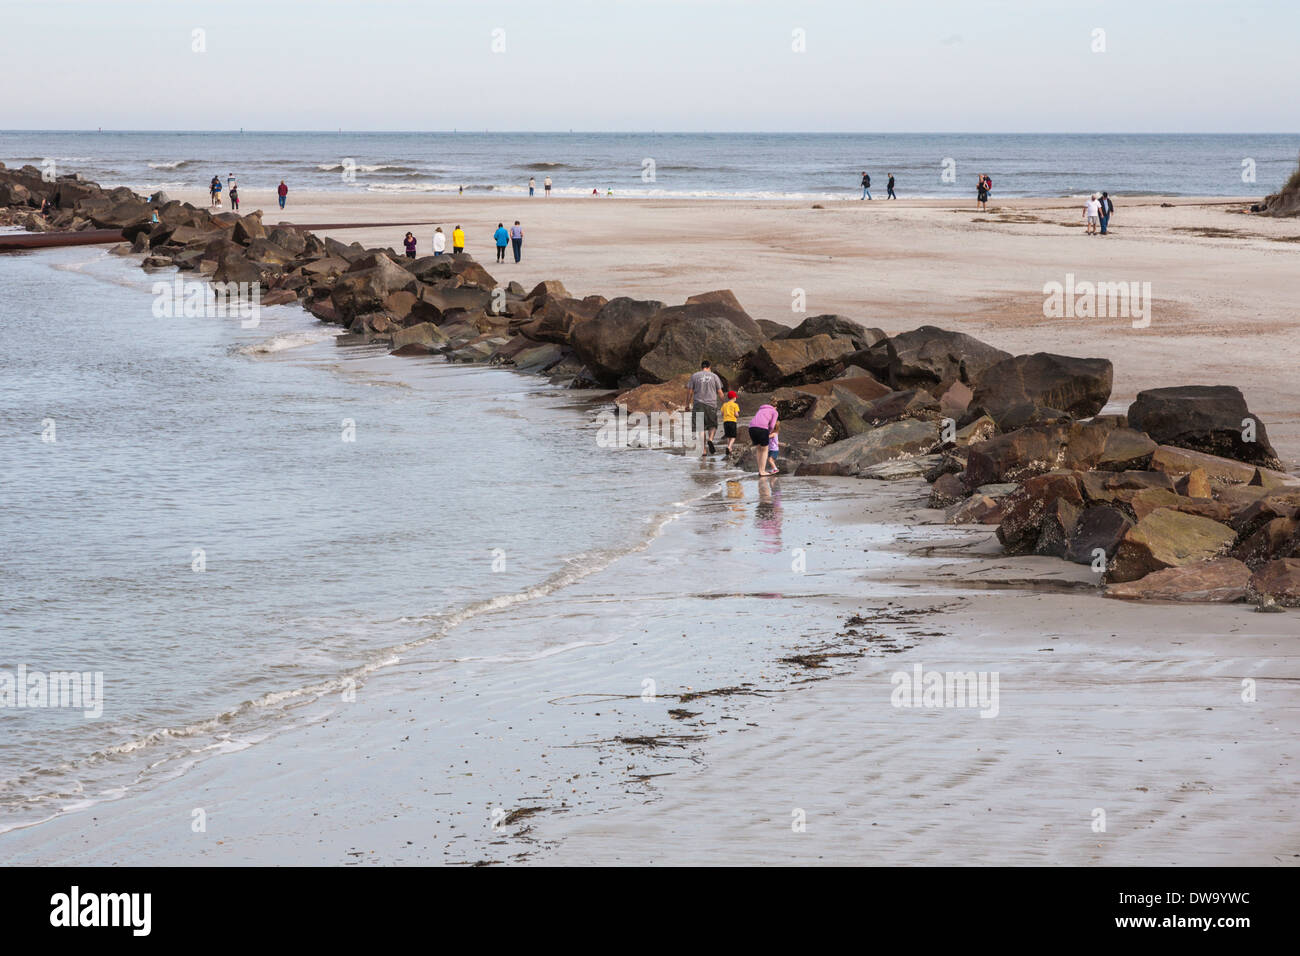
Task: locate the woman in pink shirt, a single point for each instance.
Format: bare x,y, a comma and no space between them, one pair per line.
760,433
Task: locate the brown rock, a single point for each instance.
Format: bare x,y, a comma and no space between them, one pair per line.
1165,539
1194,484
977,509
1099,528
1220,581
1029,507
1278,580
947,491
1181,461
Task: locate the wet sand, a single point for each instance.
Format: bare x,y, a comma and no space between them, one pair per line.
1134,710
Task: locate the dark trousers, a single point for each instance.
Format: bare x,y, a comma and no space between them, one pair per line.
282,198
891,193
518,246
1104,220
501,253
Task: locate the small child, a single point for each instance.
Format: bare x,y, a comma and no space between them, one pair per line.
773,446
730,411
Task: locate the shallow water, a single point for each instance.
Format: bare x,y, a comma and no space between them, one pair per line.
201,530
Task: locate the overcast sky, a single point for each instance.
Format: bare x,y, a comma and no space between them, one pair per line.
907,66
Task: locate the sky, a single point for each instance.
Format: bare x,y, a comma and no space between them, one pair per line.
685,65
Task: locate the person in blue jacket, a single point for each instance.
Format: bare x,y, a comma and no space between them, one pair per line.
503,239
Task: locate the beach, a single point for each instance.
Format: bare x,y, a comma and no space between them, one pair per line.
715,686
687,665
1222,281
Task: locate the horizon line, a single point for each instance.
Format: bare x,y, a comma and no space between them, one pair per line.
671,132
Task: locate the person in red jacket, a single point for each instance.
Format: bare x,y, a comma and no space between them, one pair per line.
283,192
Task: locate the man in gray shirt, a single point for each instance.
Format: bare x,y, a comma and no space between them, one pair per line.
705,391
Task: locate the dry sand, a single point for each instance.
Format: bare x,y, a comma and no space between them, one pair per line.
1224,283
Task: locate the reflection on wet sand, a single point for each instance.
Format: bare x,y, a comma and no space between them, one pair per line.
767,516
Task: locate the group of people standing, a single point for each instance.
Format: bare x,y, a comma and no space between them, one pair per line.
704,394
232,188
532,185
503,237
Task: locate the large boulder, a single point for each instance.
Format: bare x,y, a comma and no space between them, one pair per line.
837,326
903,439
367,283
691,337
929,358
556,317
1167,539
794,361
1278,581
659,397
1034,450
607,343
1018,385
1220,581
1212,419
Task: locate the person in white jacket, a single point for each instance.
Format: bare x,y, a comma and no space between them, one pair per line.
439,241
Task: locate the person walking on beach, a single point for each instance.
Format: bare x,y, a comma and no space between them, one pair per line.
760,434
458,240
503,239
889,186
1091,213
982,194
214,191
1107,207
517,239
439,241
532,186
282,192
730,412
409,242
705,390
546,185
866,185
234,197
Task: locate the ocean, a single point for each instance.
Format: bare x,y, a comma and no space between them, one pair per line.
673,165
